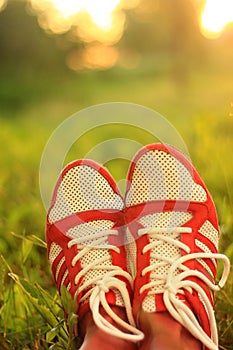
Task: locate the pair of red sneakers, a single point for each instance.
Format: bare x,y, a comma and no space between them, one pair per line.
156,248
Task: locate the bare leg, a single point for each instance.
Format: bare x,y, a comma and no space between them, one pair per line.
95,339
162,332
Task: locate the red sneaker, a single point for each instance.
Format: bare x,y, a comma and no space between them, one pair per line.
172,219
86,245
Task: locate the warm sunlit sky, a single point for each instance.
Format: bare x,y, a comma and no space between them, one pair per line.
101,15
103,21
101,11
214,18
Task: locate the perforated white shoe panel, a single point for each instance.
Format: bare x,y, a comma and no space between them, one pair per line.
210,232
158,176
83,188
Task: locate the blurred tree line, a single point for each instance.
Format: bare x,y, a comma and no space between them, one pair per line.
168,31
160,30
24,43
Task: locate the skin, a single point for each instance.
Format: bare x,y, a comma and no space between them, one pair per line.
95,339
161,331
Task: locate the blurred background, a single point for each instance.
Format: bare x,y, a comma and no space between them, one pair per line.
60,56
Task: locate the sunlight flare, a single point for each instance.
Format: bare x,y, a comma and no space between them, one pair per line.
93,57
67,8
98,24
217,14
101,12
3,4
102,21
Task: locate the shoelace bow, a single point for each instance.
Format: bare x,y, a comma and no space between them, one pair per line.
98,286
178,283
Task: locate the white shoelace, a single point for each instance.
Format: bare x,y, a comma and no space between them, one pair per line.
177,283
100,285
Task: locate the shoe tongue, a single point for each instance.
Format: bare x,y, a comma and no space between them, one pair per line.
89,232
165,219
163,249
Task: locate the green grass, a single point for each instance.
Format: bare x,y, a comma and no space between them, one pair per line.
31,108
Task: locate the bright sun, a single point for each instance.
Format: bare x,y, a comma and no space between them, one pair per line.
215,17
98,23
100,11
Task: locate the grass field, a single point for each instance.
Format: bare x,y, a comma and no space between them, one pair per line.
32,106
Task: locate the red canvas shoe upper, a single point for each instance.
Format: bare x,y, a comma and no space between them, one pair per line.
86,245
173,240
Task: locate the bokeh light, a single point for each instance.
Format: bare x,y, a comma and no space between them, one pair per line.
99,25
3,4
93,57
217,14
102,20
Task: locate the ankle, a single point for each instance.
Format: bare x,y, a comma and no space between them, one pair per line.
95,338
164,331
